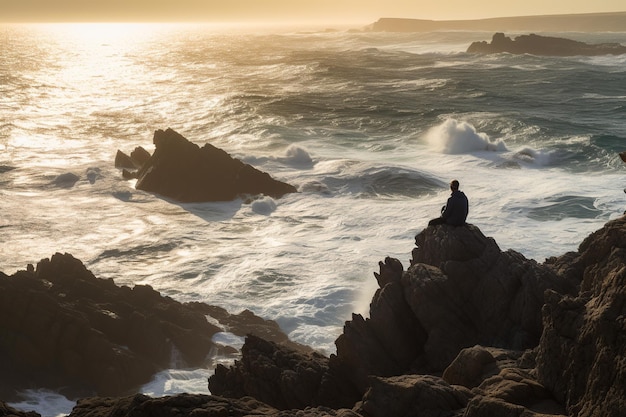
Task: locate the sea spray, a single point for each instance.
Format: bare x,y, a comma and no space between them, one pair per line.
455,137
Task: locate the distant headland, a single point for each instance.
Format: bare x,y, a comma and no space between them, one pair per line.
591,22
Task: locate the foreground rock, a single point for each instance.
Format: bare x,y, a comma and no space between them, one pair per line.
63,327
467,330
582,354
182,171
420,320
544,45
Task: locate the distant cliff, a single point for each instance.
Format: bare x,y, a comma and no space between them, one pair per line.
544,45
592,22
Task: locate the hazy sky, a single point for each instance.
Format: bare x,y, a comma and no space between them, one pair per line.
287,11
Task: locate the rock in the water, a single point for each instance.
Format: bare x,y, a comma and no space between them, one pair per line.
181,170
137,158
544,45
66,180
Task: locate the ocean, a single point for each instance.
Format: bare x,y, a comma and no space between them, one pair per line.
370,127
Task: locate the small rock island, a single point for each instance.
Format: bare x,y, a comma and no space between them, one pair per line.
185,172
543,45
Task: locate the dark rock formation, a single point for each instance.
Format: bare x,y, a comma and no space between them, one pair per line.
281,377
137,158
467,330
412,395
60,326
184,172
183,405
420,320
582,354
544,45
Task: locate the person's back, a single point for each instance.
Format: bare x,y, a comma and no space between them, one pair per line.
456,209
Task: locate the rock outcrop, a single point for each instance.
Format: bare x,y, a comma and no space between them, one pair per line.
467,330
544,45
60,326
183,171
582,354
420,321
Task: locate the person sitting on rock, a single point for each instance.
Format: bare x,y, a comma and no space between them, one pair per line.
455,211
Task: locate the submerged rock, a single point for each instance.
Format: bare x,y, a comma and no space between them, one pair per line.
544,45
183,171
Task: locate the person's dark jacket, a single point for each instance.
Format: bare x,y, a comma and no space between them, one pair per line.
456,209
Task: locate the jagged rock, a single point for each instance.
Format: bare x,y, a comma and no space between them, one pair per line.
468,368
137,158
60,326
453,272
174,406
193,406
181,170
460,290
385,344
543,45
582,354
420,319
279,376
247,323
412,395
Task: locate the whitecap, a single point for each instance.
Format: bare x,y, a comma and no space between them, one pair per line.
264,206
296,155
533,156
454,137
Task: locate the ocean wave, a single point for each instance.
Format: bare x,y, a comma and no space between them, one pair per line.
264,206
458,137
561,207
383,181
296,155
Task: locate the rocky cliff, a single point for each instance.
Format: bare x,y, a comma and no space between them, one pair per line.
466,330
587,22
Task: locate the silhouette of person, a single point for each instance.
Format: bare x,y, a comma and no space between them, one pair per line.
455,211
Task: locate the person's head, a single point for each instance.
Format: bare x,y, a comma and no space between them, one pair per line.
454,185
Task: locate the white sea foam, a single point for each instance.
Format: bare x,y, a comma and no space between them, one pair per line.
46,403
298,156
265,206
455,137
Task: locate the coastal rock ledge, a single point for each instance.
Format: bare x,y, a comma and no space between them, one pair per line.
466,330
183,171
